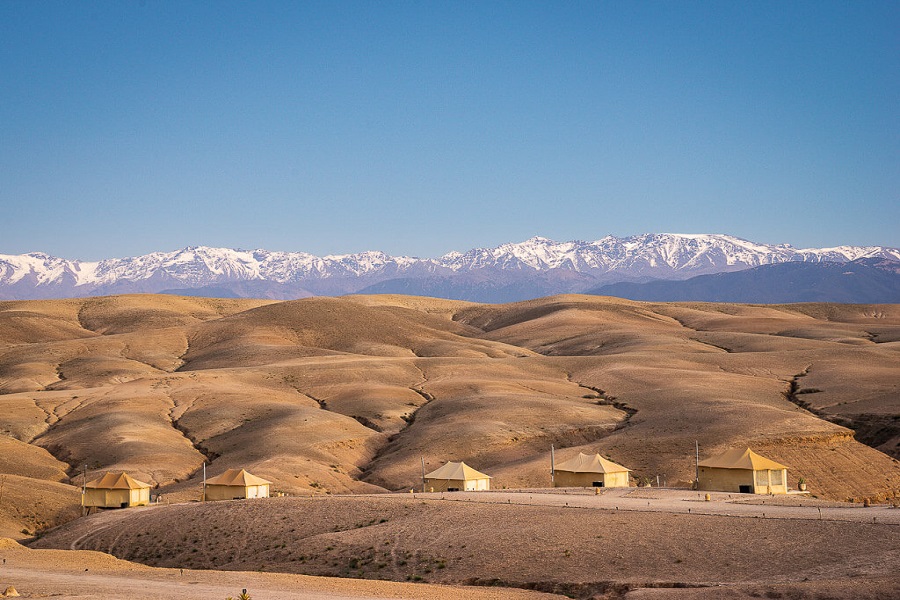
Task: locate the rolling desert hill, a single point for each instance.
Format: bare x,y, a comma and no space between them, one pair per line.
335,395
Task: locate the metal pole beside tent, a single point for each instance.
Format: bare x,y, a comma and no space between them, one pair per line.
552,466
697,462
204,481
423,474
83,487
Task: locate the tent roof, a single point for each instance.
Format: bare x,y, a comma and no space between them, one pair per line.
236,477
741,458
458,471
116,481
589,463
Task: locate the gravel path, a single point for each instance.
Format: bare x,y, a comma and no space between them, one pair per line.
684,502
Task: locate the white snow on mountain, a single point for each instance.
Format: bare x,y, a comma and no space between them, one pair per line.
661,255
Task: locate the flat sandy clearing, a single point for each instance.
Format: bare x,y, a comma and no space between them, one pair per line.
616,544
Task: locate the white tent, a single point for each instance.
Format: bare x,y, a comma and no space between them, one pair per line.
456,476
236,484
590,470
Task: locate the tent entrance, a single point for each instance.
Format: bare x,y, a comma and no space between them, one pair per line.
452,489
745,489
597,484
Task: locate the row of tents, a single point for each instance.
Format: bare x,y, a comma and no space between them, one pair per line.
584,470
121,490
737,470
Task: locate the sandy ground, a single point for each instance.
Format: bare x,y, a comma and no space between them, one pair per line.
572,542
68,575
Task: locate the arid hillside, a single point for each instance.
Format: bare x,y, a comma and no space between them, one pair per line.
332,395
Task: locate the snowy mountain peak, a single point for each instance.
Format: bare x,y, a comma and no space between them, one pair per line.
576,264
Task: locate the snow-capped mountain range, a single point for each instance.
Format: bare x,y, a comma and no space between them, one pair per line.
513,271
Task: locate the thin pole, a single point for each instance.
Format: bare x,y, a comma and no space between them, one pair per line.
423,474
697,462
204,481
552,466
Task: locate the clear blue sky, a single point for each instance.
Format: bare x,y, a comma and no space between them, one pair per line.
423,127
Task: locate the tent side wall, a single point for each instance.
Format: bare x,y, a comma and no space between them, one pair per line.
771,481
570,479
103,498
139,497
733,480
225,492
444,485
468,485
714,479
619,479
258,491
94,497
477,485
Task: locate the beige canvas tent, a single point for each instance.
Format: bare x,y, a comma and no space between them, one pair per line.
743,471
586,470
115,490
236,484
455,477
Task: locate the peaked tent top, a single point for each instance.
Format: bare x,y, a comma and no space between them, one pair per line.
738,458
116,481
236,477
590,463
457,471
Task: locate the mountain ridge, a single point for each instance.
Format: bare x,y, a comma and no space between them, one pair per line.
860,281
572,266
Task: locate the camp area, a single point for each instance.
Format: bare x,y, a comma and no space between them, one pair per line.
743,471
115,490
236,484
456,477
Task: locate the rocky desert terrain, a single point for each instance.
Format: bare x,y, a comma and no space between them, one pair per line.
330,396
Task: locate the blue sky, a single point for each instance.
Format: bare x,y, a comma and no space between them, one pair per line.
423,127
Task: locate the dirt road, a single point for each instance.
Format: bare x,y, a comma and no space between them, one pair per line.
676,501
